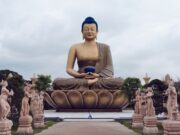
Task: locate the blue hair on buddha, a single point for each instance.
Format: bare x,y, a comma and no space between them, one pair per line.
89,20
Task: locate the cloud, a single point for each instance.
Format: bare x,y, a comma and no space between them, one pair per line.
35,36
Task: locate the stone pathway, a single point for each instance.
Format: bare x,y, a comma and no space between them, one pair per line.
88,128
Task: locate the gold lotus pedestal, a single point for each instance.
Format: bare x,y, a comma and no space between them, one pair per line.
89,100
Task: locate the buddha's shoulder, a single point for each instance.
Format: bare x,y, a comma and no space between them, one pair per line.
76,46
103,45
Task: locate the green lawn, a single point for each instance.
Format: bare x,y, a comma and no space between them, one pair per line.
48,124
128,123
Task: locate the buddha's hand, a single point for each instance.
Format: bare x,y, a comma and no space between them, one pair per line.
92,81
95,75
82,75
91,75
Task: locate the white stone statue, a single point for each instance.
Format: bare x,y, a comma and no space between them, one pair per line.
41,102
37,105
138,104
172,105
4,105
25,108
150,110
150,120
37,109
25,119
34,106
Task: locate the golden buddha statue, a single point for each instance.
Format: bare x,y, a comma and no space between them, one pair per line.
94,78
94,62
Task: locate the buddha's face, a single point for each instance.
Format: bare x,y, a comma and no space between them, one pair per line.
89,31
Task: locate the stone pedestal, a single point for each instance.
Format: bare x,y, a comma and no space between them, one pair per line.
150,125
38,121
25,127
137,121
171,127
5,127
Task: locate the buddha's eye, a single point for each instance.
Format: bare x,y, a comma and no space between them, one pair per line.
93,29
87,29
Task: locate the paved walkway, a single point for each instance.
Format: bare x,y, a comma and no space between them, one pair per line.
88,128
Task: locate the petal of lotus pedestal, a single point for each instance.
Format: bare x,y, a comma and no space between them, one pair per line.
90,99
120,99
75,99
60,99
105,99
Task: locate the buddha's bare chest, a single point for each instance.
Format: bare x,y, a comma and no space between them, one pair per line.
87,53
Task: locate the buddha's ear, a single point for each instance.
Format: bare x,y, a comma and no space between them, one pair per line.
82,35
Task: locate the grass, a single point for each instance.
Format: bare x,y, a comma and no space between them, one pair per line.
47,124
128,124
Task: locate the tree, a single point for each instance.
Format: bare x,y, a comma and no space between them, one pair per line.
177,86
130,86
16,83
159,98
43,82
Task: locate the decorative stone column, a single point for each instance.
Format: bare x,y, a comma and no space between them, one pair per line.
146,79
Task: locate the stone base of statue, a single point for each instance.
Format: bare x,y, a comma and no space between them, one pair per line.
88,100
5,127
25,127
171,127
150,125
137,120
75,94
38,121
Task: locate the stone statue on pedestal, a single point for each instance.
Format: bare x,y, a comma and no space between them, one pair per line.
4,105
5,124
25,108
172,124
138,102
137,116
150,110
37,109
25,120
172,105
150,120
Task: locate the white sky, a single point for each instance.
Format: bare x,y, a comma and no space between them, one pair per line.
144,35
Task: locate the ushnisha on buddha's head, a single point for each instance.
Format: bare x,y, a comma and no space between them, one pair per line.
89,28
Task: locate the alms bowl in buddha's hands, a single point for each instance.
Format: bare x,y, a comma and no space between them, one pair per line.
89,69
